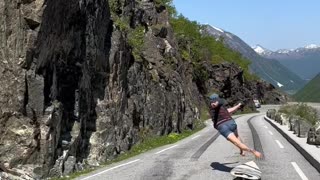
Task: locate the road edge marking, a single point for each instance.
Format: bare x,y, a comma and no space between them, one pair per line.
166,149
196,136
299,171
111,169
279,144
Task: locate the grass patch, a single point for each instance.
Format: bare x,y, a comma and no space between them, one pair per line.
148,144
204,113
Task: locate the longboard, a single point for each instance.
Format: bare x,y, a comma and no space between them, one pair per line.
248,170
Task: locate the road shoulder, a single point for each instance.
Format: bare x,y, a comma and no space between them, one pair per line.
310,152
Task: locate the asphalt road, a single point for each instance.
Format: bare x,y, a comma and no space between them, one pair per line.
207,155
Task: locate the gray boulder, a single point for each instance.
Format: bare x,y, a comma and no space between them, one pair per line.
271,113
314,135
278,118
301,127
292,121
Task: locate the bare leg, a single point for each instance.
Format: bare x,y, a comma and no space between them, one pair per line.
237,135
241,151
232,138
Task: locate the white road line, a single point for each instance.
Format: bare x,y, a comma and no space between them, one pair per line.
299,171
166,149
112,168
265,127
279,143
196,137
270,133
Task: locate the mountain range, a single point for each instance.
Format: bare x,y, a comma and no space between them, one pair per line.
267,69
304,61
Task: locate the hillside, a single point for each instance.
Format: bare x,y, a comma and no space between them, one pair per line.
304,61
269,70
311,92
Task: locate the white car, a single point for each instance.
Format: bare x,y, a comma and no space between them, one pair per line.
257,103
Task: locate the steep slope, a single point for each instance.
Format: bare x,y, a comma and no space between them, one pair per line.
268,69
311,92
305,61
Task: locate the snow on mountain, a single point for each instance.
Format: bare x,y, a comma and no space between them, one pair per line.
261,50
218,29
229,35
283,51
312,46
258,49
279,84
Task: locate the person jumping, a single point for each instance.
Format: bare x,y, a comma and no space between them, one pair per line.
226,125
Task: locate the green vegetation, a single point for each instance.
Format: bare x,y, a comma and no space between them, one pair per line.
149,142
302,110
122,24
136,41
311,92
169,6
198,47
204,113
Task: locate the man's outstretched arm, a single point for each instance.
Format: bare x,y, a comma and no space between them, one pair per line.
234,108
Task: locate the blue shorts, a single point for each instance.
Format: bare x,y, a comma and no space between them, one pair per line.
228,127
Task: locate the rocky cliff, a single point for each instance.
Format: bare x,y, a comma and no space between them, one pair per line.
84,80
228,81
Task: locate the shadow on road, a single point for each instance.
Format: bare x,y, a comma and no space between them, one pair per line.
222,167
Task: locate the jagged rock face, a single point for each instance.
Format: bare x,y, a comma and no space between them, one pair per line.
18,28
55,57
73,90
149,93
79,86
268,94
228,80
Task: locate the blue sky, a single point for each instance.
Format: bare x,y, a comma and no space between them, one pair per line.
274,24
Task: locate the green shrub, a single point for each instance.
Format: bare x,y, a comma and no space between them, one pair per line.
122,24
302,110
136,41
173,136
